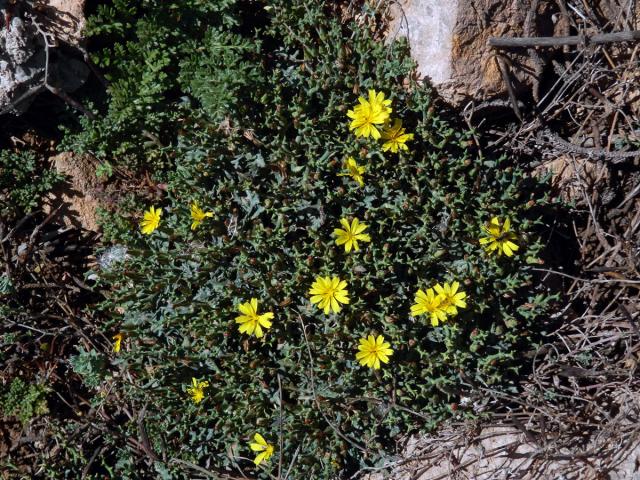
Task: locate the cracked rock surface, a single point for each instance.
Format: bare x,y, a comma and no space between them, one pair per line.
448,40
22,50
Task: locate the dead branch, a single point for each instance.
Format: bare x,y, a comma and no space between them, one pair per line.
549,138
598,39
504,71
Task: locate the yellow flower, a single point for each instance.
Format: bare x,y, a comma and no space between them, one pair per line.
262,446
369,113
395,138
430,303
499,237
451,299
373,351
198,215
197,390
351,234
353,170
329,293
117,341
151,220
250,322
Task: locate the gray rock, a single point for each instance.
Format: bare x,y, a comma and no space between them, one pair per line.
448,40
428,25
23,59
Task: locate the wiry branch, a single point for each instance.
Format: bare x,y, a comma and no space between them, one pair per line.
525,42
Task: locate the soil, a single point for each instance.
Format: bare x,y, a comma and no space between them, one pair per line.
76,199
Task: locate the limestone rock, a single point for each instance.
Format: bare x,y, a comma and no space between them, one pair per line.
22,50
79,194
448,39
65,18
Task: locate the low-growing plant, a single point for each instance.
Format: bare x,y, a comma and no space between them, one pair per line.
218,336
104,170
23,182
90,365
24,400
140,45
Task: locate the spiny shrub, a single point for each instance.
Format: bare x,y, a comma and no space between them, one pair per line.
263,140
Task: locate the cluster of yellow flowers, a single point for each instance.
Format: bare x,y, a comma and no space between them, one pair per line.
329,293
151,218
439,302
374,113
371,118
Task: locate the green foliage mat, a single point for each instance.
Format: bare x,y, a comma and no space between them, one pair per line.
251,122
23,401
23,182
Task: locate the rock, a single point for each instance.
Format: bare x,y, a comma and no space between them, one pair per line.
20,64
428,26
571,174
79,193
448,39
22,50
18,42
65,18
501,452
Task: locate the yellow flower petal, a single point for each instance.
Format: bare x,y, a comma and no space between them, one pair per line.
328,293
259,439
251,322
258,460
